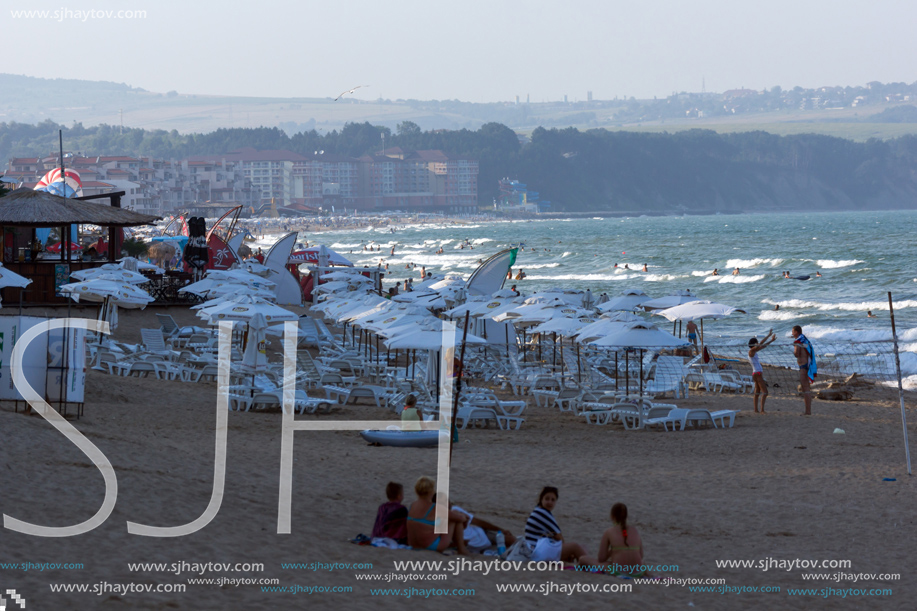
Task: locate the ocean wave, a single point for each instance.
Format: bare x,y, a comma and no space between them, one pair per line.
540,265
740,279
743,263
783,315
830,264
481,240
839,334
590,277
860,306
662,277
701,273
566,254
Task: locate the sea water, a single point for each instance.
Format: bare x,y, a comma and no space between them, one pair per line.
861,257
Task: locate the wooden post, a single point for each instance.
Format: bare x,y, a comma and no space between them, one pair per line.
458,387
907,451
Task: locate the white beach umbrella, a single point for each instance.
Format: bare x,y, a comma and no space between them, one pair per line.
425,339
626,301
110,271
112,293
11,278
598,329
245,308
101,288
253,267
639,335
475,301
563,325
495,307
698,310
669,301
242,276
448,281
136,265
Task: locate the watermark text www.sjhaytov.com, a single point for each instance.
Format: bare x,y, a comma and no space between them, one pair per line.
66,14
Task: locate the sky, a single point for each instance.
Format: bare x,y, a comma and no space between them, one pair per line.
470,50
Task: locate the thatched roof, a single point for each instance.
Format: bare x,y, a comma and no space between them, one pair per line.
25,207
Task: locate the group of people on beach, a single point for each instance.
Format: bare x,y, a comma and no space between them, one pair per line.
805,361
620,549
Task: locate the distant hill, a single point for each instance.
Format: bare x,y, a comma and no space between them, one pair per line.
598,170
857,113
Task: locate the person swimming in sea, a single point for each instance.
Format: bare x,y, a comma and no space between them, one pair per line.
716,272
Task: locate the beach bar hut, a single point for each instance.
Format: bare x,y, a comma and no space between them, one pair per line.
24,210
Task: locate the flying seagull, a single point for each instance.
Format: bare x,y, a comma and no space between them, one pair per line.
349,91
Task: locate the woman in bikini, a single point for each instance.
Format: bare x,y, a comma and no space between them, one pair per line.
621,549
421,520
757,372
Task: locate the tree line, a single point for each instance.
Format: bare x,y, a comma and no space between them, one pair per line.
690,171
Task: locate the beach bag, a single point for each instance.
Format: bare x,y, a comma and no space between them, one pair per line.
547,550
518,551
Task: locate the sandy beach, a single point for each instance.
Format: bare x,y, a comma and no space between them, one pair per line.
780,486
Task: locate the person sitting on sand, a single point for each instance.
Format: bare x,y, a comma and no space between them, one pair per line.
421,521
480,534
541,524
621,548
410,415
757,372
869,314
391,519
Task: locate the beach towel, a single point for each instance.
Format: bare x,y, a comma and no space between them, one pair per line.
813,368
391,522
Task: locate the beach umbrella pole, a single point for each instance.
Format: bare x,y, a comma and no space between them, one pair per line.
907,451
458,387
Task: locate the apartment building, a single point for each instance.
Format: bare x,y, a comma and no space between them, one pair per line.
152,186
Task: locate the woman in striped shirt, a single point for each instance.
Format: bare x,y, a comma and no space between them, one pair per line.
542,524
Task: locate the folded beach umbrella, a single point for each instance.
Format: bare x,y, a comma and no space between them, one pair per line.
254,354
